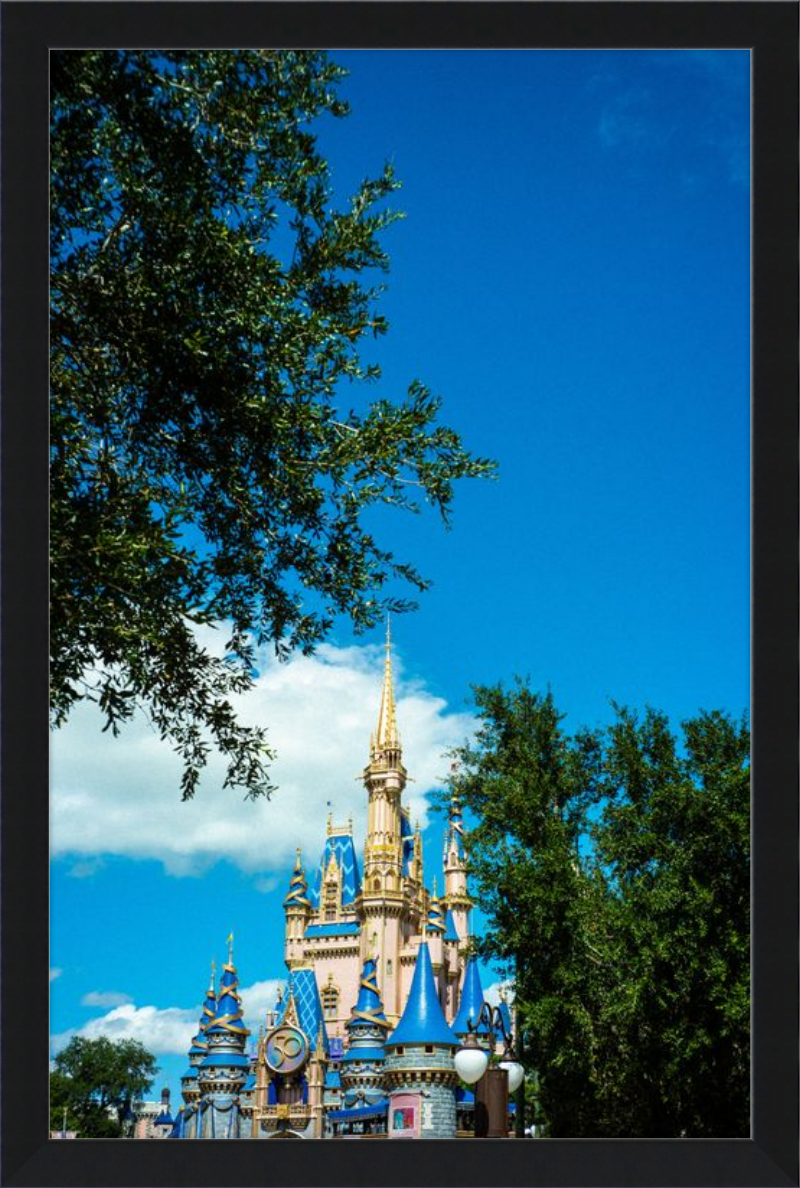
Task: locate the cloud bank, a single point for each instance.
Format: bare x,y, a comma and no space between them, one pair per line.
120,796
165,1031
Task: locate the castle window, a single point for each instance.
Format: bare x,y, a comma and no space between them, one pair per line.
429,1049
330,1001
389,968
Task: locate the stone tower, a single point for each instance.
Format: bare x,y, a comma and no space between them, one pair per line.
419,1071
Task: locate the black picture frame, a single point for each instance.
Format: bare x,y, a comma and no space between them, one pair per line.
770,30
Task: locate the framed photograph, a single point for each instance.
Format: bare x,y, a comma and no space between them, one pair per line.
603,272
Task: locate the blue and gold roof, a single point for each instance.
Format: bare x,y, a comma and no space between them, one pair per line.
436,922
451,933
368,1008
304,993
298,890
341,847
423,1020
228,1017
469,1007
199,1046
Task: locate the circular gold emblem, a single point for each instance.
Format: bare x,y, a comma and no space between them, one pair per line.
287,1049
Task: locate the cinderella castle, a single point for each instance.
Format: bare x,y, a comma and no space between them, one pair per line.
379,994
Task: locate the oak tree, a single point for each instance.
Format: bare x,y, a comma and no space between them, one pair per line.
212,452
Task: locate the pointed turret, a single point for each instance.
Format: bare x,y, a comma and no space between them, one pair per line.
368,1008
384,884
297,908
367,1026
436,920
456,896
224,1069
469,1008
199,1047
423,1020
420,1061
298,888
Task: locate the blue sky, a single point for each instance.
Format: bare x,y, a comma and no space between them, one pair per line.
572,277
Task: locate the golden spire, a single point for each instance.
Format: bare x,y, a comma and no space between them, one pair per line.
386,734
230,948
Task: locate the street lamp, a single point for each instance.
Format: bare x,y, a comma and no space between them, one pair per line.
492,1085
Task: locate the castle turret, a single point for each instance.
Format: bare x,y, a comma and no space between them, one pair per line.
362,1066
419,1070
199,1048
469,1007
456,897
163,1124
223,1071
382,901
297,908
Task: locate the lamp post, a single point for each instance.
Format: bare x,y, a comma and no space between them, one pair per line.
492,1084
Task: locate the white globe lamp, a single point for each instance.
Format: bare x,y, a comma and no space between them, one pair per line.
471,1062
516,1074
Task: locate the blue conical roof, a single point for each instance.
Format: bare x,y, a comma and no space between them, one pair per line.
436,917
471,1002
228,1015
451,933
423,1020
368,1008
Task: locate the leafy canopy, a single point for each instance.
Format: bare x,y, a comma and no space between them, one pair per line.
97,1081
208,302
613,867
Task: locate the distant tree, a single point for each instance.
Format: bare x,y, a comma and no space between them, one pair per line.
208,300
98,1081
613,868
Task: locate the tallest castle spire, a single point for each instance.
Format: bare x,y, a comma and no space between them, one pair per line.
382,888
385,742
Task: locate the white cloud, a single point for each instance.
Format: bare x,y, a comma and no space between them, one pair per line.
493,993
105,998
55,973
164,1031
121,796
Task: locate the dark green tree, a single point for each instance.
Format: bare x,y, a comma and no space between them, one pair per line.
212,453
675,840
97,1081
614,867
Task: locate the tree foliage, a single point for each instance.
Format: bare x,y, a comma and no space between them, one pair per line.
613,867
208,302
97,1081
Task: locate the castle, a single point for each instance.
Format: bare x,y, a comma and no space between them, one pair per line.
380,988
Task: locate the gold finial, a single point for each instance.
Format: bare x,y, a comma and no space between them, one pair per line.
330,822
298,865
434,886
211,988
230,948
